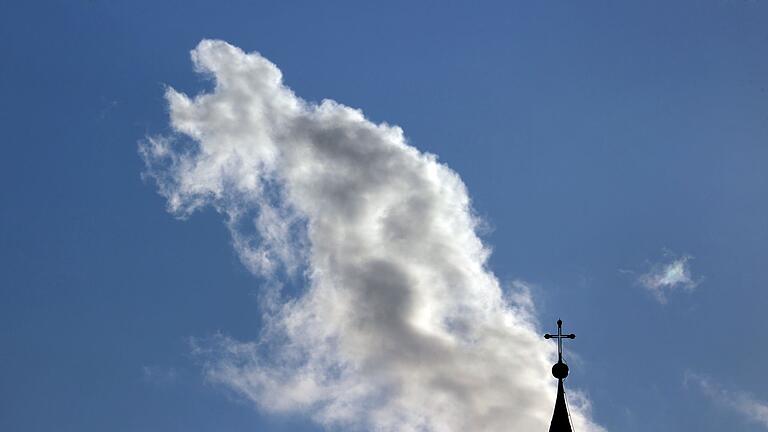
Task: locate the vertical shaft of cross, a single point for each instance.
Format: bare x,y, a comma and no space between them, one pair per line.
560,341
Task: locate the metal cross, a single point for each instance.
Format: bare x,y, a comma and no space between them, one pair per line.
560,336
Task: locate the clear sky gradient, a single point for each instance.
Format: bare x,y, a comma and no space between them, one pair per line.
599,140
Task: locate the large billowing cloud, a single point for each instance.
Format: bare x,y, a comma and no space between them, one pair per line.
399,325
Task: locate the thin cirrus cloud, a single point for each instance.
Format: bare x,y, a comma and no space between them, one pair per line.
666,277
749,407
399,325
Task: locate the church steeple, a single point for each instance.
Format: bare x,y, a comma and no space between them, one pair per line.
561,420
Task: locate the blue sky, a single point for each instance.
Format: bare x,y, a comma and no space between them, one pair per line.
600,142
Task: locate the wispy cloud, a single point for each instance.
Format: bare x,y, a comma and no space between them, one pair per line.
673,274
162,375
751,408
400,326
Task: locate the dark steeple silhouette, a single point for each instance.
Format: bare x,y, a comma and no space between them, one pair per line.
561,420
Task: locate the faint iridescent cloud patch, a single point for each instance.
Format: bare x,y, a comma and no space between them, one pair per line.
671,274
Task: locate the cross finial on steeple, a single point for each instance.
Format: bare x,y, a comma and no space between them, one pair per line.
560,336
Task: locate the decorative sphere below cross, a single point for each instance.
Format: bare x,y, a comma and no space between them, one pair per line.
560,370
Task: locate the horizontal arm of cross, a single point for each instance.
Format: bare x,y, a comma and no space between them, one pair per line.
549,336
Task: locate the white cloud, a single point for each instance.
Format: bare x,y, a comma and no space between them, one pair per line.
747,405
400,326
669,276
